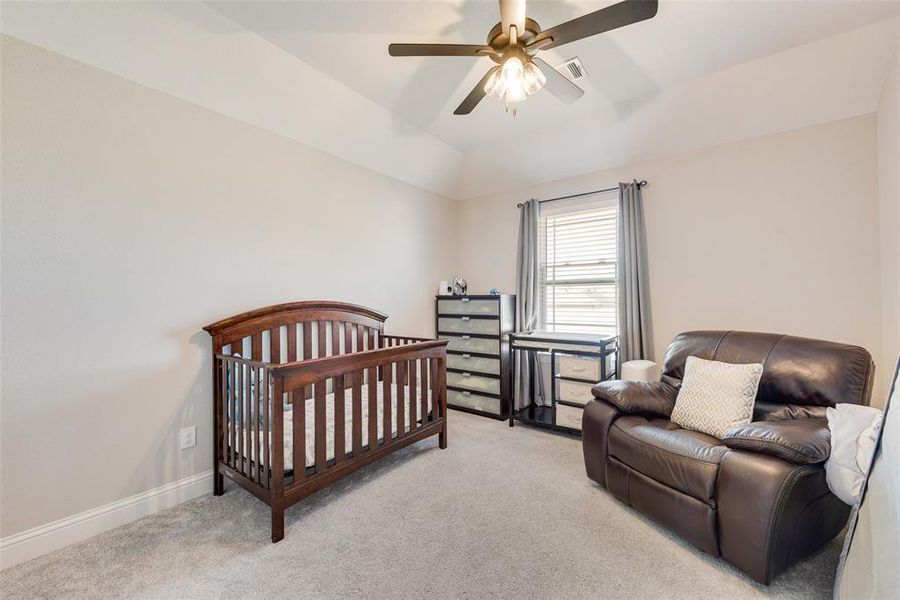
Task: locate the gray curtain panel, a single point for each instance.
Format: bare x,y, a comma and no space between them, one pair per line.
633,290
527,293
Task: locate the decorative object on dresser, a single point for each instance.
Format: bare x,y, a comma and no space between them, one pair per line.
758,496
577,362
317,364
479,373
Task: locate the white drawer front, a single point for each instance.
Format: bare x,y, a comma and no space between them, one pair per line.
475,364
467,325
569,416
474,345
474,382
574,391
579,367
474,401
468,307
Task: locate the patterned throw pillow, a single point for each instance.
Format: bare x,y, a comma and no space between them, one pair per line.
716,396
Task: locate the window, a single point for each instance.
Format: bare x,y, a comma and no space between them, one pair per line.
577,249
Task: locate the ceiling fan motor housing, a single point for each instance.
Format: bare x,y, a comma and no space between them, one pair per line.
499,40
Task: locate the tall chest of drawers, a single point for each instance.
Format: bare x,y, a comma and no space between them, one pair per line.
479,370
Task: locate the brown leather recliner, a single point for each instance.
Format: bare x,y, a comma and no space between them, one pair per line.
758,497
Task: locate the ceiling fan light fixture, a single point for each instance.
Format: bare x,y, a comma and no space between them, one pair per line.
514,81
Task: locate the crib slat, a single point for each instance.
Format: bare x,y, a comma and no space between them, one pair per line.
432,364
373,409
275,345
252,451
319,419
340,425
241,422
335,338
262,384
348,338
412,395
386,399
423,387
307,352
322,340
360,345
256,346
292,342
298,421
357,413
401,399
233,399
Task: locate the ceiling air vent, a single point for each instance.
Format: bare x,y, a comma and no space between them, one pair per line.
573,69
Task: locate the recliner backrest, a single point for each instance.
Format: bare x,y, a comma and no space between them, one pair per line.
797,371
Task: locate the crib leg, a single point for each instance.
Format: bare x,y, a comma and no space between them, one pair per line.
218,483
442,437
277,522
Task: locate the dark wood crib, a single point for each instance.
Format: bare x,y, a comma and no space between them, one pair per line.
313,360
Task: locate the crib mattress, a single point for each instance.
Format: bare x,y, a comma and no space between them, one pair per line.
412,407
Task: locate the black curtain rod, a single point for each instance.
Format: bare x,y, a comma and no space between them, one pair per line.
641,183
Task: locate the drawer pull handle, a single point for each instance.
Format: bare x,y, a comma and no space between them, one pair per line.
577,369
464,299
466,374
467,356
467,337
467,393
465,318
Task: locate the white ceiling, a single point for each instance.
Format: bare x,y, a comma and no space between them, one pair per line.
348,41
699,73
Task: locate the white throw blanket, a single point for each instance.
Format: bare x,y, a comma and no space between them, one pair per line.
854,433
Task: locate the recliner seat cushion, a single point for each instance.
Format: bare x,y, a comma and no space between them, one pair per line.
685,460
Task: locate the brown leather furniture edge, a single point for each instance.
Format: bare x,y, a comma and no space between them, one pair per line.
769,505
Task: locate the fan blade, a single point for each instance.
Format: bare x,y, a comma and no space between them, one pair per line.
512,12
438,50
558,84
605,19
475,95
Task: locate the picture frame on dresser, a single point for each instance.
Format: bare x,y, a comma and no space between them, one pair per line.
479,366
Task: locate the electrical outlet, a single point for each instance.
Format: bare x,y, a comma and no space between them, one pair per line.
188,437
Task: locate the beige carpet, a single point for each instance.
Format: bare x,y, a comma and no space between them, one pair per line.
500,514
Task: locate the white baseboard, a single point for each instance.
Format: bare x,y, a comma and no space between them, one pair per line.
34,542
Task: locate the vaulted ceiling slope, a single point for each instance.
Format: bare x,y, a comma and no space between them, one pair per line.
699,73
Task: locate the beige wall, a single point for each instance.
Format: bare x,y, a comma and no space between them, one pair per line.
778,233
888,134
130,220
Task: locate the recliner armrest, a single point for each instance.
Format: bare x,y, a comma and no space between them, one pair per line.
646,398
800,441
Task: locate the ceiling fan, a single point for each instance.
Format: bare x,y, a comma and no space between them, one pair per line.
514,43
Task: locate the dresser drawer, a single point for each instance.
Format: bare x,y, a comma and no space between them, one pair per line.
467,306
464,343
569,416
474,382
473,401
468,325
579,367
574,391
475,364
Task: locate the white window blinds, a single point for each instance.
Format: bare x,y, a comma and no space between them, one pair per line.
577,247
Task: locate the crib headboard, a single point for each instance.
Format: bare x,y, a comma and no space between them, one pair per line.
299,330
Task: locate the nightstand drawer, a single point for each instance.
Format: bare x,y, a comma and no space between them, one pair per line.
569,416
473,401
468,325
474,364
574,391
474,382
466,306
579,367
465,343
